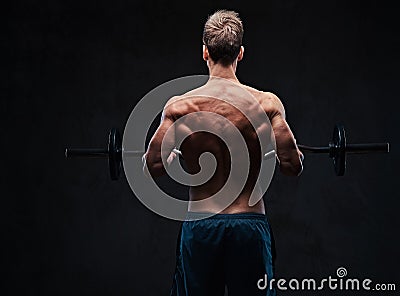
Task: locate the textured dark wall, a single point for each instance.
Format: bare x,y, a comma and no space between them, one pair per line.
74,69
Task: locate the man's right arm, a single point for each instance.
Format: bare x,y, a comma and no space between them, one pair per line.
289,156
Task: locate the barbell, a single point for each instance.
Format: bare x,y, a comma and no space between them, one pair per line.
337,149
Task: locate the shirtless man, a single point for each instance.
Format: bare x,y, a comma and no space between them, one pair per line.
233,247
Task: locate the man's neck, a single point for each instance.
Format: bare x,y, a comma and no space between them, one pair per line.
226,72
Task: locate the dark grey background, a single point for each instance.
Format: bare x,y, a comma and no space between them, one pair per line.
75,69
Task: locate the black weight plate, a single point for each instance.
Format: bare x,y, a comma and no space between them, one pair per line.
339,149
114,154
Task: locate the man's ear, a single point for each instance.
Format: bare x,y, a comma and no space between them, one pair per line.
241,53
205,53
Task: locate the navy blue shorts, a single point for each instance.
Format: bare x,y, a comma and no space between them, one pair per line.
232,250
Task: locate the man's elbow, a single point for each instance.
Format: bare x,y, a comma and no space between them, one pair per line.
153,169
157,171
291,169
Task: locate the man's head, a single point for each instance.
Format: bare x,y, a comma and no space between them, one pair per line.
222,38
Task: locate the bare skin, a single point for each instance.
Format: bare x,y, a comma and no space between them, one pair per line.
196,143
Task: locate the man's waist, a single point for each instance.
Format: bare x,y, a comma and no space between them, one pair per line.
241,215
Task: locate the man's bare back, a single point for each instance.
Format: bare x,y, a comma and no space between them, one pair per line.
234,103
235,124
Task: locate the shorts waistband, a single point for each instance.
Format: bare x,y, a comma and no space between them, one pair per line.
205,215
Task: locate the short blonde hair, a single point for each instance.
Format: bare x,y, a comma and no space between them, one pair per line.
222,35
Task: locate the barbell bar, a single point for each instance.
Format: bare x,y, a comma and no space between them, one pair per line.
337,149
113,152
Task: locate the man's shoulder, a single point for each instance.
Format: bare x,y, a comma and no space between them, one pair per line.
270,102
174,100
272,97
262,95
178,106
186,99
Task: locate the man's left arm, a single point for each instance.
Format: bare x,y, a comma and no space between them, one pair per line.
154,158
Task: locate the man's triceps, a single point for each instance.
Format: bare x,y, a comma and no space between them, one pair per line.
288,154
161,146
